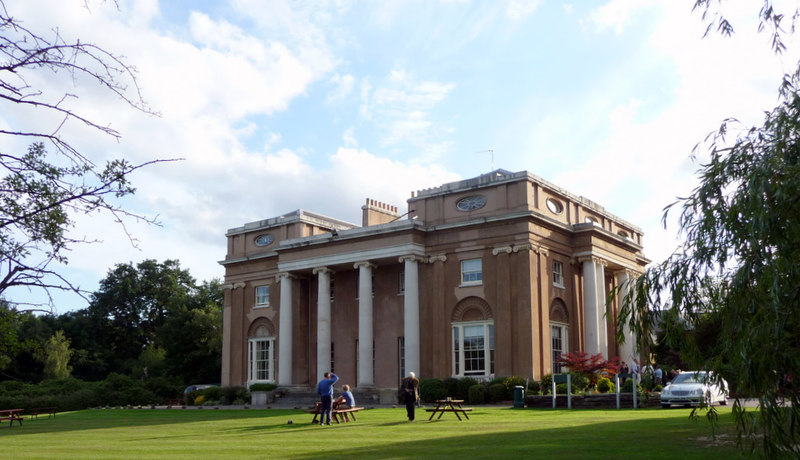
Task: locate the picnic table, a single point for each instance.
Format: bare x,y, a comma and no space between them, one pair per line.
11,415
449,405
339,414
36,412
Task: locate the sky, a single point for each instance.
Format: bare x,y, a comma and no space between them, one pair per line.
277,105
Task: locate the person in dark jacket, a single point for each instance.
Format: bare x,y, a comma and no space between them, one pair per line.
409,392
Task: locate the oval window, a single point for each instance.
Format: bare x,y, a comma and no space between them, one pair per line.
471,203
555,206
623,234
264,240
591,220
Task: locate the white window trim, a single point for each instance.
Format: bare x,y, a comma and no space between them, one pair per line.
564,341
556,282
258,304
486,344
473,282
270,359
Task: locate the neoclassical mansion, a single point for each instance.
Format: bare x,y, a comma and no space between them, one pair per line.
492,276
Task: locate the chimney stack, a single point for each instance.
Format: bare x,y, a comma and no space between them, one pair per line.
374,213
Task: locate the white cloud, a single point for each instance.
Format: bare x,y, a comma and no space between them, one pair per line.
616,14
518,10
343,86
402,106
348,138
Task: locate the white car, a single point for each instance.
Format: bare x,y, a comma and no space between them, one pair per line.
692,388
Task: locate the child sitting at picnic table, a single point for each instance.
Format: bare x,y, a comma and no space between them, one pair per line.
346,399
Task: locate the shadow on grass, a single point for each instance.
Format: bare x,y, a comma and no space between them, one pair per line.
384,433
650,438
115,418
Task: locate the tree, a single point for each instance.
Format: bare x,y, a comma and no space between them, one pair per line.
741,227
589,365
41,191
56,355
133,303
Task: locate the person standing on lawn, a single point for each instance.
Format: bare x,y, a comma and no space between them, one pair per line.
325,391
409,391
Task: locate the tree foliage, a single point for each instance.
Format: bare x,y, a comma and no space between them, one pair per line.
133,303
588,365
738,266
148,320
55,355
41,192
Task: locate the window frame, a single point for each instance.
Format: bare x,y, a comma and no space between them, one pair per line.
458,351
558,274
564,328
260,304
478,280
253,369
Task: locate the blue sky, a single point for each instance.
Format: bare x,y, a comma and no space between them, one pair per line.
279,105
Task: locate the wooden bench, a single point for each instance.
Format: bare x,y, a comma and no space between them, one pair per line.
34,413
345,413
11,415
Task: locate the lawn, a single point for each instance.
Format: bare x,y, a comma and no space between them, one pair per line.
379,433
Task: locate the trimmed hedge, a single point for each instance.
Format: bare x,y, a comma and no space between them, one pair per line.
605,385
431,389
74,394
497,392
263,387
477,394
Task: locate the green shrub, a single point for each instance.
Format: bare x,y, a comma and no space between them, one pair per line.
579,381
533,387
451,387
561,388
263,387
512,382
164,387
212,393
431,389
477,394
627,387
658,388
199,400
497,392
547,384
605,385
231,394
191,396
11,385
462,389
498,380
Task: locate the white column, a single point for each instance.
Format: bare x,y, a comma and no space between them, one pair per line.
601,308
411,313
591,334
365,337
626,290
285,331
323,321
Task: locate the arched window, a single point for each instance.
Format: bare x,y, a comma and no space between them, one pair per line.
473,338
261,353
